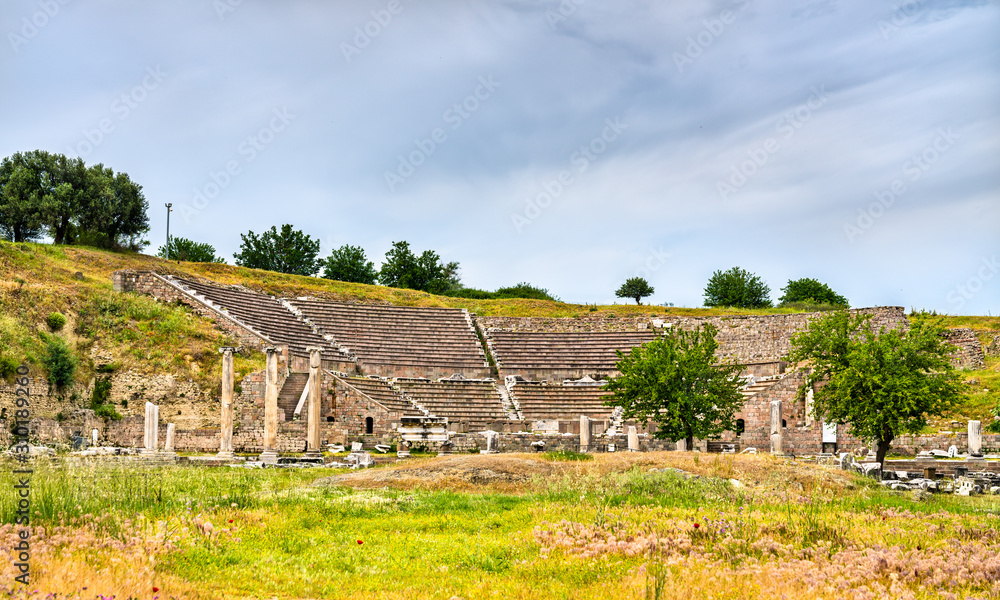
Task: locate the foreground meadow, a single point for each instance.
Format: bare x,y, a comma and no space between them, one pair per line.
657,525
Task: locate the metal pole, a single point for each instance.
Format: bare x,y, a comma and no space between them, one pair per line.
168,205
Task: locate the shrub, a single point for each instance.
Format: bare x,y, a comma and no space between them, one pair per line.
107,411
55,321
109,368
60,363
102,393
810,291
8,367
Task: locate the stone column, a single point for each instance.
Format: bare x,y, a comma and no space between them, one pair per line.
168,446
150,438
809,408
270,453
492,437
975,439
584,433
313,418
228,376
776,432
633,439
93,437
682,445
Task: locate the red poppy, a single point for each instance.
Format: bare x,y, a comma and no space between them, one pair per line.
360,542
230,520
156,589
697,525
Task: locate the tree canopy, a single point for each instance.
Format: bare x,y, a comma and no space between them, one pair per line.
677,382
349,263
403,269
189,251
810,291
636,288
882,383
288,251
737,288
521,290
43,193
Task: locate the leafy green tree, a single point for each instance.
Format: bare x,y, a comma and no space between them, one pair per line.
189,251
677,382
811,291
21,210
114,210
50,193
349,263
60,363
403,269
288,251
882,383
737,288
635,287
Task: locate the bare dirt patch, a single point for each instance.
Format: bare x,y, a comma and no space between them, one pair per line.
518,473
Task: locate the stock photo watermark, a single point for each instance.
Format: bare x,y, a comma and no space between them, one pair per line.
249,149
364,34
556,186
121,108
565,10
31,25
454,116
988,269
758,155
902,15
655,260
712,29
21,452
913,169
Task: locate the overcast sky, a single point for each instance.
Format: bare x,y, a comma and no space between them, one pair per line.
569,145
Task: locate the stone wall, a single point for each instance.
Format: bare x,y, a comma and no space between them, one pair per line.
761,339
352,408
968,352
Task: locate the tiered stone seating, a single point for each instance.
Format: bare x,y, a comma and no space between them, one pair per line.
477,403
380,391
595,351
439,338
541,401
266,315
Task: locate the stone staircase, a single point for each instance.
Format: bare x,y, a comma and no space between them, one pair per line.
291,391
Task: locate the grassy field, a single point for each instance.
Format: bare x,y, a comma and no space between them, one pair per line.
505,526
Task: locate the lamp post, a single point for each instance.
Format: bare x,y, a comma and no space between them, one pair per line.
168,205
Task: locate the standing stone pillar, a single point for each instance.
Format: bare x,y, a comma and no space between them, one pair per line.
492,437
150,438
975,440
228,375
584,433
776,432
270,453
633,439
313,417
93,437
168,446
809,408
682,445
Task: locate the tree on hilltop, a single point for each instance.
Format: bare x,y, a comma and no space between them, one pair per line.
349,263
189,251
677,382
288,251
737,288
882,383
403,269
635,287
811,291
